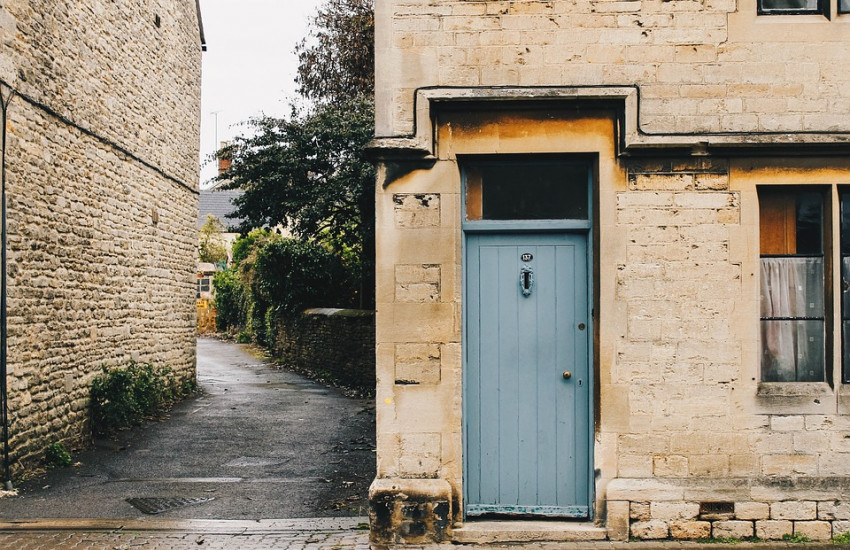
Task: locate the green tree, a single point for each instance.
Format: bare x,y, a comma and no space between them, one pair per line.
308,171
212,248
337,59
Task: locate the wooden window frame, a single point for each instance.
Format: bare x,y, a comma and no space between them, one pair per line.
828,249
820,9
845,311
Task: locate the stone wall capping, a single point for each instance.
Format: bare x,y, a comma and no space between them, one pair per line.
644,489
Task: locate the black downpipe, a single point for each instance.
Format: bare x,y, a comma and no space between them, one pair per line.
4,390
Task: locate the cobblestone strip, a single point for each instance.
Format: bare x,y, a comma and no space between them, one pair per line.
65,540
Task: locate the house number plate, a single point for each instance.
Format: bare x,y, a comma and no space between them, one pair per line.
527,257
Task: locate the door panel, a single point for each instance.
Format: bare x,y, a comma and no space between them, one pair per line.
526,426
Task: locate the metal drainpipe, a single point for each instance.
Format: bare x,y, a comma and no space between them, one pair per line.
4,393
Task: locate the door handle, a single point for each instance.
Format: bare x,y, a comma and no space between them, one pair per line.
567,375
526,280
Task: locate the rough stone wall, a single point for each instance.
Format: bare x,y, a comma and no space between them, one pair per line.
676,352
101,161
749,508
107,66
702,66
337,344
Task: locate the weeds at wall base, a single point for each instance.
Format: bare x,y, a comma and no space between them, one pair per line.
125,396
56,456
843,538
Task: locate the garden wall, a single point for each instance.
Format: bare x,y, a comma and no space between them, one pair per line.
337,345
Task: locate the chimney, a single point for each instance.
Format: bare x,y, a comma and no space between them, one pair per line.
224,161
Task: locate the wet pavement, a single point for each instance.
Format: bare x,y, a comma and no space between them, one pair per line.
257,443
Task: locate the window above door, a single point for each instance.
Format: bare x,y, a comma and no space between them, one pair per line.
526,190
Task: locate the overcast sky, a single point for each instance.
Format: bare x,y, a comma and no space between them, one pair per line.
249,66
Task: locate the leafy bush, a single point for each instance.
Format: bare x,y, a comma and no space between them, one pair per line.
256,322
243,246
291,274
279,277
124,396
56,456
230,299
212,247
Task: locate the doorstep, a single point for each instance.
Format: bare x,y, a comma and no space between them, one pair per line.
484,532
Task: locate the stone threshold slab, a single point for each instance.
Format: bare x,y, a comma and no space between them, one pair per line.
485,532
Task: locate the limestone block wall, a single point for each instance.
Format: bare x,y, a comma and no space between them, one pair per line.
701,67
688,442
101,164
419,328
766,520
685,424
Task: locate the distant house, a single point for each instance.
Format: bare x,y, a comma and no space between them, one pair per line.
219,204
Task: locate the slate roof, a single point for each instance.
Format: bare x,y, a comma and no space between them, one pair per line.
219,204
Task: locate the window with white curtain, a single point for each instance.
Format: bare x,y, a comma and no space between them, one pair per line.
793,292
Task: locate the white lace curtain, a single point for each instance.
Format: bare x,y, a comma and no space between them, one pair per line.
792,349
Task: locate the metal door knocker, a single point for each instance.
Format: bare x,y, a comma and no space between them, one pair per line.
526,280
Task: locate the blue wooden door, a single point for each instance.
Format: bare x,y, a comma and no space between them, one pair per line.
527,384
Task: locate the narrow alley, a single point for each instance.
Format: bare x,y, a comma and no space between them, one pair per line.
257,442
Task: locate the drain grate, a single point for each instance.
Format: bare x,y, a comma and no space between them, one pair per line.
159,505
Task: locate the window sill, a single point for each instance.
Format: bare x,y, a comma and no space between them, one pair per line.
796,398
794,389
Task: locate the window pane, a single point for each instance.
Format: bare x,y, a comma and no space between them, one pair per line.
792,287
843,6
846,348
792,351
793,293
845,222
845,287
790,222
527,191
779,6
809,223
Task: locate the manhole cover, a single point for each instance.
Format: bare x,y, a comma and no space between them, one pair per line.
160,505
